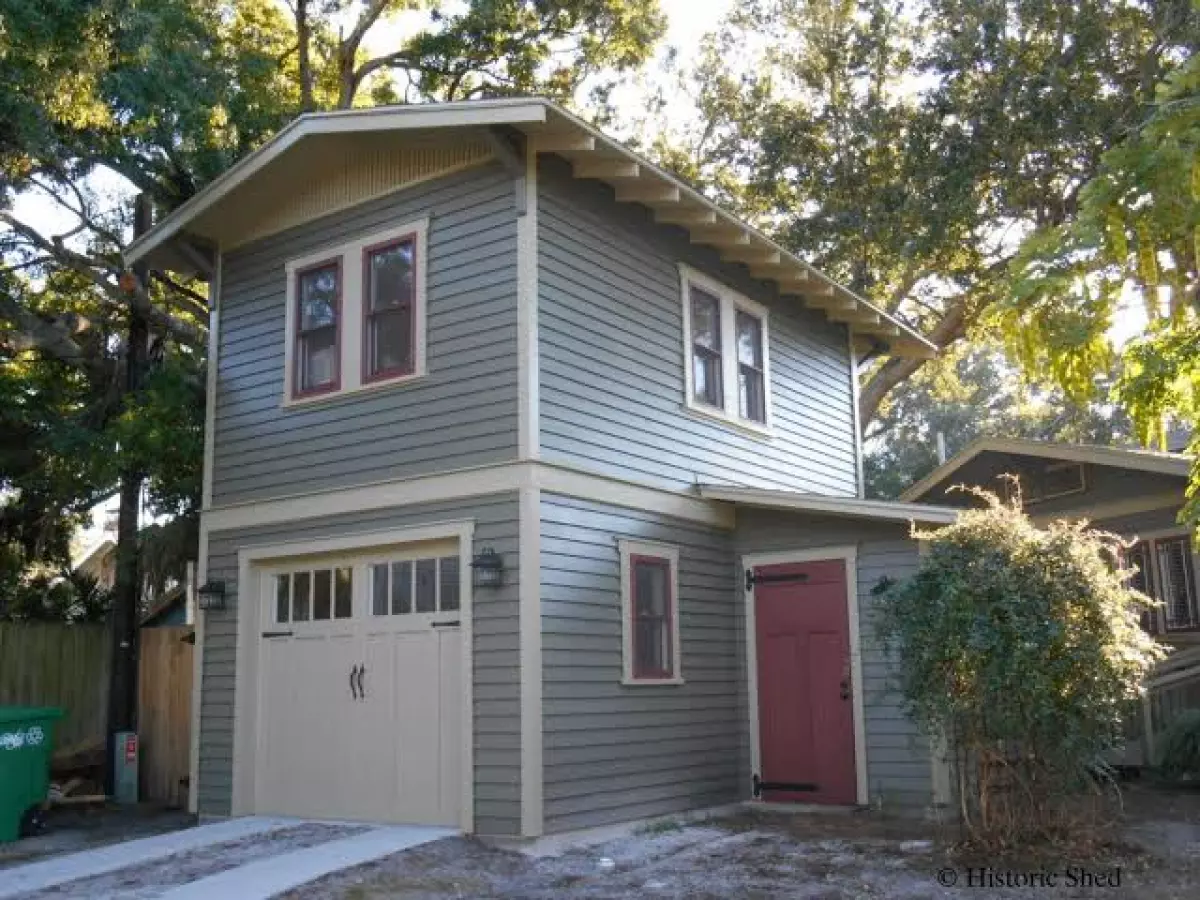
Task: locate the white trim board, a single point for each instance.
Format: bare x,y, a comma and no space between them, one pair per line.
473,482
849,554
249,607
852,507
530,655
528,377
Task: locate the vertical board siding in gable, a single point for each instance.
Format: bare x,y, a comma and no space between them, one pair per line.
347,170
613,752
610,328
462,413
497,673
899,774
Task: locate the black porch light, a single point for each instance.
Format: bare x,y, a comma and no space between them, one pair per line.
487,568
211,594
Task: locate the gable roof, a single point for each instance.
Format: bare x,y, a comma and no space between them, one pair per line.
850,507
552,129
1118,457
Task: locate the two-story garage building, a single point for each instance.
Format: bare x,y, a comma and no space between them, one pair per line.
532,488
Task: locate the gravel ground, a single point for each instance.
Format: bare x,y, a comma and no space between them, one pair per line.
759,856
150,880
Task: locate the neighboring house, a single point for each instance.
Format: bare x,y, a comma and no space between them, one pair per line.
531,488
1134,493
100,563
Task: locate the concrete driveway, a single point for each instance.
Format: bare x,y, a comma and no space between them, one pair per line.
250,858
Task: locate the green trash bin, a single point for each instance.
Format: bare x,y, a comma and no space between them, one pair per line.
26,742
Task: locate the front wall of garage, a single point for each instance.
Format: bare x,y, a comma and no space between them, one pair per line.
899,772
495,654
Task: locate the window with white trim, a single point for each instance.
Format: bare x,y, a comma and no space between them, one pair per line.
726,342
1177,583
356,315
649,613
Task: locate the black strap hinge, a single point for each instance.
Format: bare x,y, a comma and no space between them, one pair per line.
800,787
778,578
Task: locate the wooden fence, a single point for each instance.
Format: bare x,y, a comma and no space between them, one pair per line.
53,664
164,714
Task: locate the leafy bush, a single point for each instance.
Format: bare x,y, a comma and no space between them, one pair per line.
1021,645
1181,746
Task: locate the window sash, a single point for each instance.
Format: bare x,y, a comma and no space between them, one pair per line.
373,316
305,337
707,362
651,635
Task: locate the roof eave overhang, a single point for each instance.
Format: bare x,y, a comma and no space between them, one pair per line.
844,507
552,129
1141,461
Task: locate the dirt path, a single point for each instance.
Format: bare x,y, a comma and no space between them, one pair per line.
755,856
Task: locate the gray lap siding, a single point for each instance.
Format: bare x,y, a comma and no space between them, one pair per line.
495,658
462,413
611,357
613,752
899,772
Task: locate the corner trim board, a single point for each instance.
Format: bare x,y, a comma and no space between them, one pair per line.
849,554
530,628
528,378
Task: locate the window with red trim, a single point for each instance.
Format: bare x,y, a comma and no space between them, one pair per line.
318,328
651,613
389,309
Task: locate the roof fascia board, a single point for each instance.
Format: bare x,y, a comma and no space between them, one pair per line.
443,115
1100,456
848,506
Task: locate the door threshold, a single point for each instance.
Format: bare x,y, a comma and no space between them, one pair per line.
831,809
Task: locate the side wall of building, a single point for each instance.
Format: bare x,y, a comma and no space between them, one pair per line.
614,752
611,355
495,658
462,413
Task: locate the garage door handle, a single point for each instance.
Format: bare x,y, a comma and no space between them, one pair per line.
271,634
362,694
453,624
353,687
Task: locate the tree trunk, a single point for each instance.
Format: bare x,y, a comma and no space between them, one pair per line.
897,370
122,686
303,42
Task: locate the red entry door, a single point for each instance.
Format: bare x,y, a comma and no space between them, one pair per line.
805,706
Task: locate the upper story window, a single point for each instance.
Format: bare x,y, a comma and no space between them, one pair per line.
356,315
726,340
650,617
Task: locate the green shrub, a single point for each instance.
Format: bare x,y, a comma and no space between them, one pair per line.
1180,755
1021,646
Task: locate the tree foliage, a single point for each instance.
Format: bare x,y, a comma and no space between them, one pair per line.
1023,647
106,98
909,150
972,391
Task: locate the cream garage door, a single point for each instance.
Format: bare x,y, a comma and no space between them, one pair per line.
360,687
